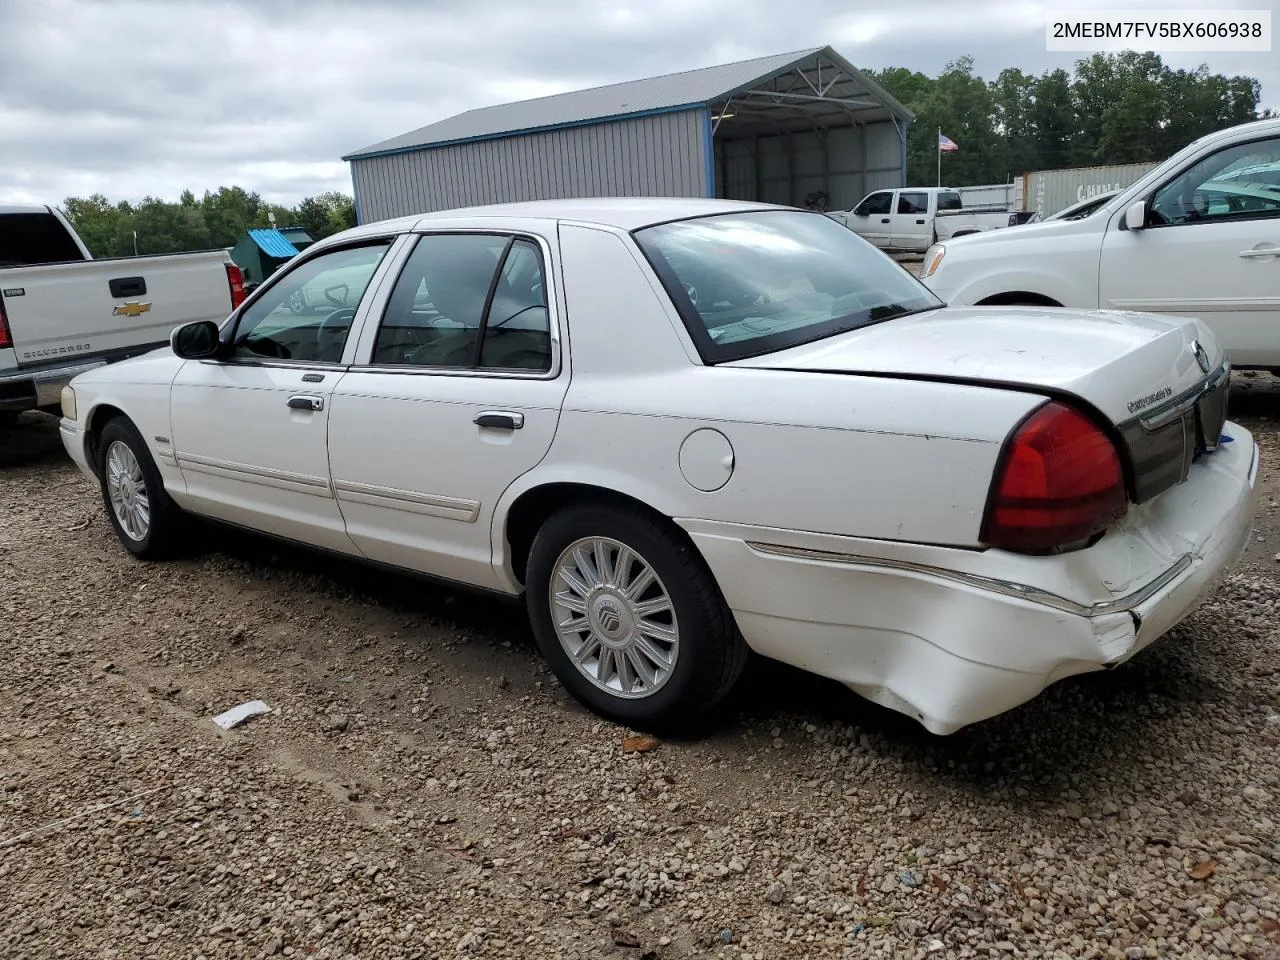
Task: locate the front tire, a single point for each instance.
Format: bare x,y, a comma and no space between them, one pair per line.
148,523
630,619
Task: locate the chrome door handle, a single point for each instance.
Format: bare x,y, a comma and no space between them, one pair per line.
306,402
1260,253
501,419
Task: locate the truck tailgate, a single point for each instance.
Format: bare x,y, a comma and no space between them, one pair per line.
97,308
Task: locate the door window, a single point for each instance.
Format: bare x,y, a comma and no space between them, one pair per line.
880,202
913,203
466,301
306,315
949,201
1238,183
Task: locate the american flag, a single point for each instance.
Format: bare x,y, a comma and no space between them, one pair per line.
945,144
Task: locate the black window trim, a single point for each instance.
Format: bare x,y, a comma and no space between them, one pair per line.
227,333
693,324
543,248
1246,217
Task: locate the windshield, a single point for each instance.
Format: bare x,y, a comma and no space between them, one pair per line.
752,283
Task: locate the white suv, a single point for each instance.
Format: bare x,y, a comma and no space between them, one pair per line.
1197,236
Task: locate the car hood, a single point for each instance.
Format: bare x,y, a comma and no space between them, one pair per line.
1121,363
156,366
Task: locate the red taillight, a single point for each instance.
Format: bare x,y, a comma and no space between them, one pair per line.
1059,482
6,339
235,280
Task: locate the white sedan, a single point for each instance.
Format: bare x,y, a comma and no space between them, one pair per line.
685,430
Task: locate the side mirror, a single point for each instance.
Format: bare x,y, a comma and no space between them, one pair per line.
1135,217
196,341
860,213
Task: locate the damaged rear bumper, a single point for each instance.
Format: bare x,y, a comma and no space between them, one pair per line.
952,636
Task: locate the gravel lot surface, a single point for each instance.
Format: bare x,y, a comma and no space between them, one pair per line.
423,787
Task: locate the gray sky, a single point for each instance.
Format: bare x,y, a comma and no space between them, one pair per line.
133,98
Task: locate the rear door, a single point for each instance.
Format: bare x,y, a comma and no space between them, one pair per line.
1211,249
872,219
455,394
910,228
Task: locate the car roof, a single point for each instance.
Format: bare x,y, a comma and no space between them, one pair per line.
623,213
23,208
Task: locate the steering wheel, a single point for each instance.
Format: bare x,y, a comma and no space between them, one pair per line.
334,318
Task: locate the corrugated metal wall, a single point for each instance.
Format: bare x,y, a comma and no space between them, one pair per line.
664,155
848,162
1049,191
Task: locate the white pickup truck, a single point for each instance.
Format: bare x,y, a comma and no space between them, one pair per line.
1198,236
916,217
62,312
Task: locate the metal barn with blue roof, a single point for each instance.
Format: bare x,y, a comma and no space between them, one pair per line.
780,129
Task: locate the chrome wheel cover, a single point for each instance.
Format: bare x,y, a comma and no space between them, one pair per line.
614,617
127,491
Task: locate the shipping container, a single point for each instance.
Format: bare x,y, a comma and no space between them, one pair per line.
1048,191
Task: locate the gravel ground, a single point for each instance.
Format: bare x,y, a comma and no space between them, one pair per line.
423,787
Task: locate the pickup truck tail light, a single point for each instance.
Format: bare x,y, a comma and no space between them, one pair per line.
6,339
235,281
1058,483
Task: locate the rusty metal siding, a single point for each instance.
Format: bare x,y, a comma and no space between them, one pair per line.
663,155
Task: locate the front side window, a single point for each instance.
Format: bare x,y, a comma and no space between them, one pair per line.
466,301
913,203
1238,183
747,284
306,315
876,203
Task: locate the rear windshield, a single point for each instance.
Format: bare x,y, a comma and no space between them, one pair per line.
747,284
27,239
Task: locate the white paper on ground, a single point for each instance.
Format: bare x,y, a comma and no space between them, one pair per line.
238,715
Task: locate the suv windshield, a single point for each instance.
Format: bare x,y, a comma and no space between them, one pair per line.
747,284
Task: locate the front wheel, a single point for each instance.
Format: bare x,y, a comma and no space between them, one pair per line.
629,617
148,523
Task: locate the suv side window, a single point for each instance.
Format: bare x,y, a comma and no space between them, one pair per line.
306,315
913,202
1237,183
876,203
466,301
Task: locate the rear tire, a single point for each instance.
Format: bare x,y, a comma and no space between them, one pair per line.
9,418
613,595
148,523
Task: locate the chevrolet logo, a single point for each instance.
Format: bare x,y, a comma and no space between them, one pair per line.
134,308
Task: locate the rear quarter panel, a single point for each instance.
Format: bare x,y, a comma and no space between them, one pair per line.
854,455
66,311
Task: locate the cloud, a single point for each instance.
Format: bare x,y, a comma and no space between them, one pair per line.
141,97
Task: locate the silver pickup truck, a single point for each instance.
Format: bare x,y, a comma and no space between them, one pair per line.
62,312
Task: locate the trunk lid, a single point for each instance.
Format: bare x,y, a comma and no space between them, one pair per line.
1160,381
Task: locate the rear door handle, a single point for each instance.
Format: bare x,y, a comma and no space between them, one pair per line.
885,220
1260,253
500,419
306,402
919,221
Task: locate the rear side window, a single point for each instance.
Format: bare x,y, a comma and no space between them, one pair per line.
913,202
27,239
466,301
949,201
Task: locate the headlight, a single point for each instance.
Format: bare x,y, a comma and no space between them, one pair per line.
932,259
68,403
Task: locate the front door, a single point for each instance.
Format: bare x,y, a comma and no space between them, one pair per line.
1211,249
250,432
457,394
873,217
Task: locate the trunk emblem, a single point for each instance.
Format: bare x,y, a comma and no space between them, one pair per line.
1201,355
134,308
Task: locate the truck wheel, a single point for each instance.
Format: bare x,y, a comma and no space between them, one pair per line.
148,523
630,619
